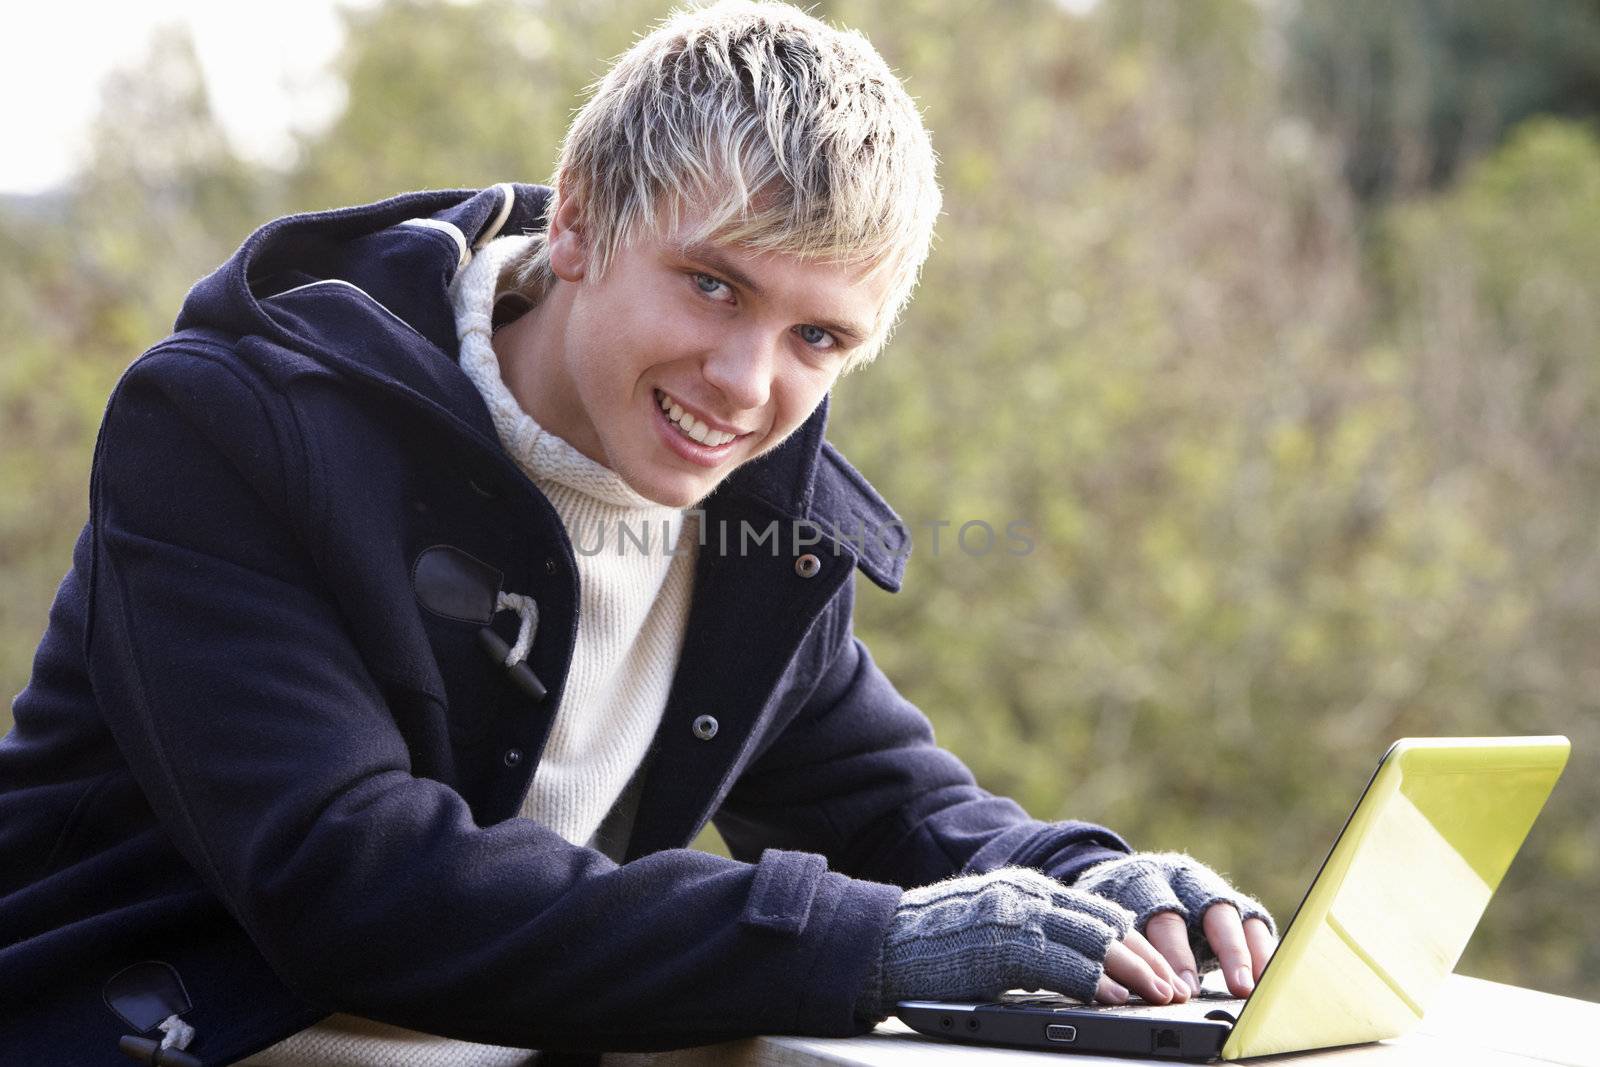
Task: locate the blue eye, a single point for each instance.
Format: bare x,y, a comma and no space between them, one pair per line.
707,284
815,336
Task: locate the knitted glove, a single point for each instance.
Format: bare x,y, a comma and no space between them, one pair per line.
1147,883
977,936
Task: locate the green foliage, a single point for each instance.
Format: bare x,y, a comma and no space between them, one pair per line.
447,95
1296,480
1496,295
1414,89
1150,329
161,201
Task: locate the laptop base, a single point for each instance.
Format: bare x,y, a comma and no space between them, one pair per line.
1071,1029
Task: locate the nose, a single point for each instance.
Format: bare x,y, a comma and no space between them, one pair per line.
741,369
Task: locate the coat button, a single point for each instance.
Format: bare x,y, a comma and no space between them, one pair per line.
807,566
513,757
705,727
549,565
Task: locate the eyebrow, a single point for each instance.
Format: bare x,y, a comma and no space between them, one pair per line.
709,254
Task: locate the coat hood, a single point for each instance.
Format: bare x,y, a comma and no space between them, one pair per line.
363,292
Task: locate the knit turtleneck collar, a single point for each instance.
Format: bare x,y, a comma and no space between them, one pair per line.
544,456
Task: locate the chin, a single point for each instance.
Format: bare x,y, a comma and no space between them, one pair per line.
671,500
671,495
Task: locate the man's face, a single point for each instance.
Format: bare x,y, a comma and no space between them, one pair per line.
681,363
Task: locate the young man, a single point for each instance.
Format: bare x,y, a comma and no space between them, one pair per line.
346,745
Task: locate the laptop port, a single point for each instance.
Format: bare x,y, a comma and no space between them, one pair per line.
1061,1032
1162,1040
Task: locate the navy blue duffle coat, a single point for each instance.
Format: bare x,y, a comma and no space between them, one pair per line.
250,751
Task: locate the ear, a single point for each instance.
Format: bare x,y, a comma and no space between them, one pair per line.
569,247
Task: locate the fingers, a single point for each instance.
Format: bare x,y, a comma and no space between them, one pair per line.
1262,945
1109,992
1145,950
1169,935
1225,933
1131,970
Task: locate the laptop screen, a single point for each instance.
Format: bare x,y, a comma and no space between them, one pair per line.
1400,894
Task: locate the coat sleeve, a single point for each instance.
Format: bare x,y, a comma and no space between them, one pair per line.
857,777
231,685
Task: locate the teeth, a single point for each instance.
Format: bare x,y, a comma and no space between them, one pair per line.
693,428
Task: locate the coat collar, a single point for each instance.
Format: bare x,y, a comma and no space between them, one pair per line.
806,478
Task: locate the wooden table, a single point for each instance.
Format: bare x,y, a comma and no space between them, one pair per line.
1472,1023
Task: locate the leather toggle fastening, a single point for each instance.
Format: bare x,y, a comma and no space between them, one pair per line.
451,583
146,996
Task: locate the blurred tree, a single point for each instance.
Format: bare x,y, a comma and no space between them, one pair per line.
1415,88
1497,297
1149,331
161,200
444,95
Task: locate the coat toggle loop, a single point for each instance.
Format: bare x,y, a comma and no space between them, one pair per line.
528,611
513,657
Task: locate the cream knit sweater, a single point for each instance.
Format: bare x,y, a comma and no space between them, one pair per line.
633,607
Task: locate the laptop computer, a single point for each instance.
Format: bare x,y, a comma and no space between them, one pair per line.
1384,922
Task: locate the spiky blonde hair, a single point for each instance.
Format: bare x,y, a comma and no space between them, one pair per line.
790,135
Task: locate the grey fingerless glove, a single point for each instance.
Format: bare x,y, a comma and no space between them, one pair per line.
980,935
1147,883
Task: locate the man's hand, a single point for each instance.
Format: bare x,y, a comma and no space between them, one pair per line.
1189,916
1014,928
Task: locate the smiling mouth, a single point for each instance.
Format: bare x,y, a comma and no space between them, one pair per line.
691,427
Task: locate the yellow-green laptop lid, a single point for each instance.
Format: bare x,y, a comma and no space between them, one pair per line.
1401,892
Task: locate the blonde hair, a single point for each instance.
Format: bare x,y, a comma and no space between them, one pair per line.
792,136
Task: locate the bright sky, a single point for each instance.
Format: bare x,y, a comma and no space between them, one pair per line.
265,65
